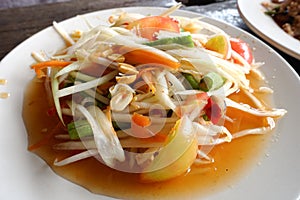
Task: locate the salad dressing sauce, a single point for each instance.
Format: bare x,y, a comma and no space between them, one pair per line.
231,160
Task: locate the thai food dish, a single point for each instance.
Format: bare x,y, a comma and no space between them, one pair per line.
286,14
150,95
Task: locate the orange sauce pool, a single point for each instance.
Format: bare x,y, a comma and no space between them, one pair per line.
232,160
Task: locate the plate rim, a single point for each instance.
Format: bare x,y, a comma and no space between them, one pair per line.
244,32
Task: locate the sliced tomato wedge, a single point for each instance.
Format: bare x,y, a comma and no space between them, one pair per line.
242,48
147,27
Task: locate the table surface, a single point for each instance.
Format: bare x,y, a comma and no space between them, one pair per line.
20,19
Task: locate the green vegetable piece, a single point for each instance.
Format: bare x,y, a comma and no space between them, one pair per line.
211,81
74,124
79,129
192,81
273,11
185,40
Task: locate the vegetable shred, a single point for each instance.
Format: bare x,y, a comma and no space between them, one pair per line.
153,96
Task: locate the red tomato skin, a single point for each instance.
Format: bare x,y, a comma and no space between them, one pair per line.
242,48
147,27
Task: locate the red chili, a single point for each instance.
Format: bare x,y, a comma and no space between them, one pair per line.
213,111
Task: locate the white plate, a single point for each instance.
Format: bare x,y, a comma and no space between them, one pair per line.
25,176
263,25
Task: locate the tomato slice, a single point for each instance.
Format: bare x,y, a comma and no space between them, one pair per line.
213,111
147,27
242,48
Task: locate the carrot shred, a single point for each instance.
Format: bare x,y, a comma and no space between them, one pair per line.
141,120
39,67
40,73
139,124
141,56
50,63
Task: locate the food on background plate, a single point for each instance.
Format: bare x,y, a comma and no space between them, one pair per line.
286,14
150,98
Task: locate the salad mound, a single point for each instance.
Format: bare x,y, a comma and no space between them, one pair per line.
152,95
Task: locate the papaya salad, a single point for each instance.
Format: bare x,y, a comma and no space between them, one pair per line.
152,94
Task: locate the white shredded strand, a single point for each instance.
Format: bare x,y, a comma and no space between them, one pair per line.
176,84
255,131
162,91
103,61
62,137
171,10
254,99
116,148
201,154
81,77
102,142
206,134
201,162
188,92
143,105
97,96
235,70
238,57
75,158
72,67
109,35
264,90
38,57
87,85
63,33
256,112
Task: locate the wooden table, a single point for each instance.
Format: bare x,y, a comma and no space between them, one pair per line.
19,23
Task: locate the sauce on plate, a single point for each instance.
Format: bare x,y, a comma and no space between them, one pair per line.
232,161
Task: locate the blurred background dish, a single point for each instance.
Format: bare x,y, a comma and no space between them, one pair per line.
264,26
